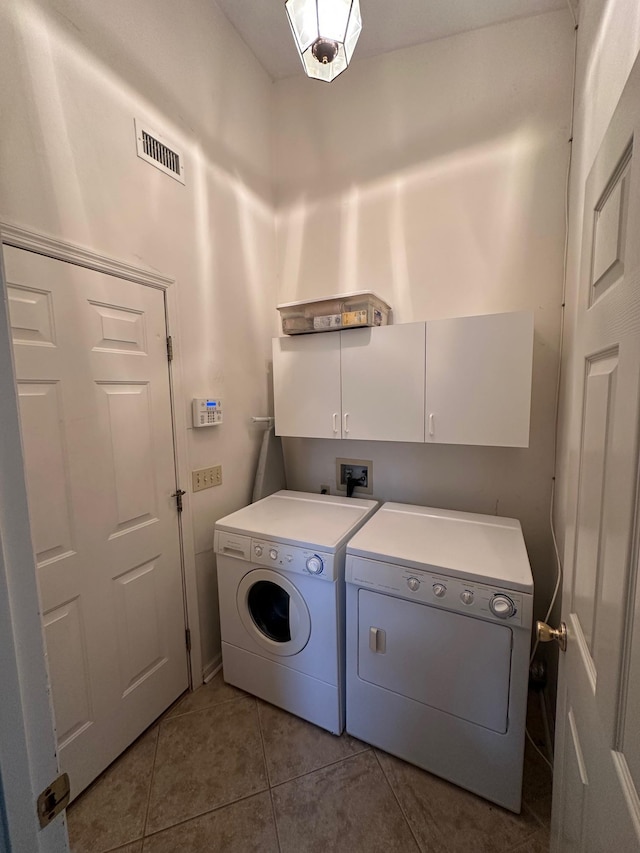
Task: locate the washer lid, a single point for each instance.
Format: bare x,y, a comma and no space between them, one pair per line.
324,522
484,548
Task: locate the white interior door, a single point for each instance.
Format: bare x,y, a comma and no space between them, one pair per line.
93,387
28,760
597,774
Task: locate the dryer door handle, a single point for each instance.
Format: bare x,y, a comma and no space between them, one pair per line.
377,640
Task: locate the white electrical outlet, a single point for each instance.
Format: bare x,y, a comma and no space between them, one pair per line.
206,478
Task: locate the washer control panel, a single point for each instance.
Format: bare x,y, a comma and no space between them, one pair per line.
451,593
264,552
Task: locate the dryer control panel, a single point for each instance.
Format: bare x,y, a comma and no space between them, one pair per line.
458,594
265,552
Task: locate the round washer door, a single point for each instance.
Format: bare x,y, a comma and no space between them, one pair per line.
273,612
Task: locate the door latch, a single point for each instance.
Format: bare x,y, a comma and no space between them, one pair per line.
53,800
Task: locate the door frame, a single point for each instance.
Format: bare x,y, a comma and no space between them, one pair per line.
62,250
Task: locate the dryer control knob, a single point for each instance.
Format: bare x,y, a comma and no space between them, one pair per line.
315,565
413,584
273,554
466,597
502,606
257,550
439,590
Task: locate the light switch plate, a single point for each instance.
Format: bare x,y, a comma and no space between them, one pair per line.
206,478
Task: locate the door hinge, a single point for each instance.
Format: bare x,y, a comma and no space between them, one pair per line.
178,496
53,800
170,348
187,635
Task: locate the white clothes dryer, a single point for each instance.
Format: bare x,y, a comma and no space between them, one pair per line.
439,612
281,589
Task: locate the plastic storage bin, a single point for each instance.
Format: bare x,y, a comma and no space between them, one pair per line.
344,311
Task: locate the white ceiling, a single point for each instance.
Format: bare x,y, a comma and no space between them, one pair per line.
386,25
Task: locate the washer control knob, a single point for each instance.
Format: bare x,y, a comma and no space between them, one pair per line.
439,590
315,565
413,584
257,550
273,554
466,597
502,606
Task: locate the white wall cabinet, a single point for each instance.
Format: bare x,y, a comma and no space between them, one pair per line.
478,382
383,383
465,380
358,383
306,385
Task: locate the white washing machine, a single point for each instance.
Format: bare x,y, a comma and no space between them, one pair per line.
281,585
439,611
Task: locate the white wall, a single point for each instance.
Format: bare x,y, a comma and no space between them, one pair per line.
435,176
74,74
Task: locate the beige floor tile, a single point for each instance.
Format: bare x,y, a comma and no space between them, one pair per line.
206,759
206,696
112,811
136,847
294,747
242,827
538,843
444,817
343,808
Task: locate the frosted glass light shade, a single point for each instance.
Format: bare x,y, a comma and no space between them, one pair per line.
325,33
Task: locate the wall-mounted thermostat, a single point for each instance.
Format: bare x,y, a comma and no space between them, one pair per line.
206,412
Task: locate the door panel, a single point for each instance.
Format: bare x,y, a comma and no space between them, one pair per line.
609,230
131,453
117,329
141,642
50,510
64,632
599,406
596,802
576,783
31,316
92,373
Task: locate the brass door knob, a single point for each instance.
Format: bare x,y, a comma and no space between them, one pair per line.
546,634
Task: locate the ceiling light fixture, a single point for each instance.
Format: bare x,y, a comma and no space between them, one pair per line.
325,33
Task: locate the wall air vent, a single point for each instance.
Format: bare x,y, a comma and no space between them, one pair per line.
152,148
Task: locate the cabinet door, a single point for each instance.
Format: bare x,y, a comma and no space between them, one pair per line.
306,385
383,383
479,380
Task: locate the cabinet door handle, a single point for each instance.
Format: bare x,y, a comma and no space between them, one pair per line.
431,423
335,422
346,422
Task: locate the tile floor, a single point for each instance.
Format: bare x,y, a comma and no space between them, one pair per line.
222,771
